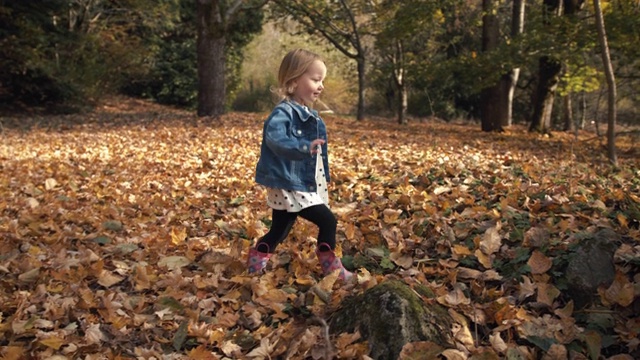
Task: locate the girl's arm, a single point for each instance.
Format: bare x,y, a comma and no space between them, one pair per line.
278,138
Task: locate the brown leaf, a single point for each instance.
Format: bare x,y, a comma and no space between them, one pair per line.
547,293
422,350
491,240
620,292
539,263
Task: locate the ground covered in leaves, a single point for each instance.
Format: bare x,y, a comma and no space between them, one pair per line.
123,234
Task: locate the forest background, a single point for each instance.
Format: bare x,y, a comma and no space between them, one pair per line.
115,241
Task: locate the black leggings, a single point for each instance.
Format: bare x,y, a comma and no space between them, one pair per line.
282,222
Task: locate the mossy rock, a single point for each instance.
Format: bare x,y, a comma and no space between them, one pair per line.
390,315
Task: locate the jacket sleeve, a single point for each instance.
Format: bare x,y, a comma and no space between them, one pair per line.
278,137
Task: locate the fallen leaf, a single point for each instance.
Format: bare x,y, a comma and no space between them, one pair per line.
539,263
174,262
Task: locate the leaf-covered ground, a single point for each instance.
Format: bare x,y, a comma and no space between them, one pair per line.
123,234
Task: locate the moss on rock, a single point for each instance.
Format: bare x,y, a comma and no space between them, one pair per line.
391,315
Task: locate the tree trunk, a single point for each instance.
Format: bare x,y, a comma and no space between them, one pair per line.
361,87
490,96
569,123
402,104
548,76
611,84
511,79
549,69
399,78
211,59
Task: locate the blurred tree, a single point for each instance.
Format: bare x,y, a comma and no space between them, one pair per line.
611,83
550,66
491,101
343,24
29,36
406,35
219,23
68,52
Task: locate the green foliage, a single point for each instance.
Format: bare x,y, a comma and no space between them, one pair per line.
172,78
29,62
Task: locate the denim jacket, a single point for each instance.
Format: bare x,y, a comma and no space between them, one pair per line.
285,158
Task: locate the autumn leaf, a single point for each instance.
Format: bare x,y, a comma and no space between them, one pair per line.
526,288
144,241
491,241
547,293
539,263
423,350
620,292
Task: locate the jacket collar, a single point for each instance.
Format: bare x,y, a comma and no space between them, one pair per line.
304,113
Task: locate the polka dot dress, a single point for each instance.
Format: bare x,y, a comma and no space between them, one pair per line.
291,200
294,201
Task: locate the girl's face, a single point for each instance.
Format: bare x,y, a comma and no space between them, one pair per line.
309,85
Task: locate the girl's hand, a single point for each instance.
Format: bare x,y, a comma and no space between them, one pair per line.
314,145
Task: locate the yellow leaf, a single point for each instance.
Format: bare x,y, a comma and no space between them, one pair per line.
622,219
33,203
178,236
13,353
459,250
390,216
201,353
484,259
50,184
53,342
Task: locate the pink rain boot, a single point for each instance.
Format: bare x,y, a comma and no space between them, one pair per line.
330,262
257,259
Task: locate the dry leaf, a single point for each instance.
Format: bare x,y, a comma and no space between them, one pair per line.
491,241
539,263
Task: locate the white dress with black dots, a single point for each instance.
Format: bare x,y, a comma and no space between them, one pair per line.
295,201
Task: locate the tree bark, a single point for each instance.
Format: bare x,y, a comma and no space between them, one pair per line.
213,18
211,60
569,123
611,84
510,80
549,70
399,79
548,78
490,95
361,86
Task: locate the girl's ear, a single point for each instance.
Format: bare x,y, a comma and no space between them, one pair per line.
292,87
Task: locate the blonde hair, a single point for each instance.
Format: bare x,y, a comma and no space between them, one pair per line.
293,65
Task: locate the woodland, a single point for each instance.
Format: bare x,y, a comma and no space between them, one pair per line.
484,162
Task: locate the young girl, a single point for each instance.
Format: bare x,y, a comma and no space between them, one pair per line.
293,135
